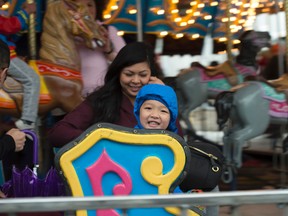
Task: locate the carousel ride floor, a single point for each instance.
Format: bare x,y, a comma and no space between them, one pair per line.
261,167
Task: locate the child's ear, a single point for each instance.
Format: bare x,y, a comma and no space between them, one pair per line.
3,75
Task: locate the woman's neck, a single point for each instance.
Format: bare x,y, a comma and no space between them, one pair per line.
131,99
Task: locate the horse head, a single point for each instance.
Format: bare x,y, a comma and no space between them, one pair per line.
251,44
66,23
83,25
255,40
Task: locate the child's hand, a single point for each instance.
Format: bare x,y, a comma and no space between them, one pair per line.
19,138
155,80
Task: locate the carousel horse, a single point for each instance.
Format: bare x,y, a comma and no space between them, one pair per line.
199,83
64,23
245,112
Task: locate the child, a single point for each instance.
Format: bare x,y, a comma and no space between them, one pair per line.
156,107
10,28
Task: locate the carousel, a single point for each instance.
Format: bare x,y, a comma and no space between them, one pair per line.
245,102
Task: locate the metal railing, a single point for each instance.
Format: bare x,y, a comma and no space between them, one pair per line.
237,198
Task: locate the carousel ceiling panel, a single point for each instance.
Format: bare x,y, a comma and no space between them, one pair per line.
193,18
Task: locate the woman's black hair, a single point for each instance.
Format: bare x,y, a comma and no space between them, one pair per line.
4,55
106,100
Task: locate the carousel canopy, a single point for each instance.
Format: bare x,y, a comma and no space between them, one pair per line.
183,24
188,20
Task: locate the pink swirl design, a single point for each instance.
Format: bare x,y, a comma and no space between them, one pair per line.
96,171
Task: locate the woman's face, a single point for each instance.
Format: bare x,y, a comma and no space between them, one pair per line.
132,79
91,7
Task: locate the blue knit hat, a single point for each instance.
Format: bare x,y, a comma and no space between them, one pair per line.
162,93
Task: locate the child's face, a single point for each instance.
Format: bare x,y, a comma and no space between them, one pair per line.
154,115
91,6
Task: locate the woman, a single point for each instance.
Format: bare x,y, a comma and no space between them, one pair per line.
133,67
94,63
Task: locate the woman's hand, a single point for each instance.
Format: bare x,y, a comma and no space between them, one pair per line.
108,47
155,80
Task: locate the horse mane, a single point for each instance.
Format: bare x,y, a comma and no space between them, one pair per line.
57,43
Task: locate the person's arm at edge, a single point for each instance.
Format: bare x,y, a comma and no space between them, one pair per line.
117,42
71,126
180,131
7,144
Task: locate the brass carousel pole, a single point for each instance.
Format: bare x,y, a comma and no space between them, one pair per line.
229,43
33,52
139,21
32,34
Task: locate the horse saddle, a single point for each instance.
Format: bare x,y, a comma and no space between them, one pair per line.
11,94
12,86
226,69
280,84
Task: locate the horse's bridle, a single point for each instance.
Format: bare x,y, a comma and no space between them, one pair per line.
79,26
